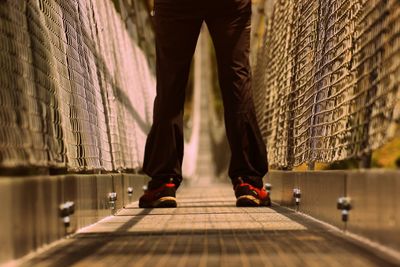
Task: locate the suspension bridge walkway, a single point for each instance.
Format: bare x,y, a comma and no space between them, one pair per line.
77,86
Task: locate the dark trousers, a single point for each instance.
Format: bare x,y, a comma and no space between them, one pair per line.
177,27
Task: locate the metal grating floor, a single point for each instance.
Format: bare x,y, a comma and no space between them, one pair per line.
206,230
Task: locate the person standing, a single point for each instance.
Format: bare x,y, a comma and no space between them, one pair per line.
177,28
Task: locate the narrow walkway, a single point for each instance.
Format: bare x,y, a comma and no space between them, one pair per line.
207,230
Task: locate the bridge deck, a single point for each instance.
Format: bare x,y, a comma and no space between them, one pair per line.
207,230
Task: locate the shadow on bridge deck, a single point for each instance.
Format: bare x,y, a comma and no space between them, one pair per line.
207,230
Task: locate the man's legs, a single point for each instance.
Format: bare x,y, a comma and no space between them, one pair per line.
176,37
230,32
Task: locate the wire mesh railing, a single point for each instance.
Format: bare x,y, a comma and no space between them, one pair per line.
76,90
327,79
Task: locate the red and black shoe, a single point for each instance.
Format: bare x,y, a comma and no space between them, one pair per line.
250,196
161,197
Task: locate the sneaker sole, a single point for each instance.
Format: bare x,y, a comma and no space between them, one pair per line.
165,202
247,201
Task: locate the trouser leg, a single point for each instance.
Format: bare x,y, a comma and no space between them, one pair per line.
176,38
231,37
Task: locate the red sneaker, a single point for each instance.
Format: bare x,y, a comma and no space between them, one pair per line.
161,197
250,196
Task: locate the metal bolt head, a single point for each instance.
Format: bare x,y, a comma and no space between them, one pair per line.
130,191
296,193
344,203
66,209
144,188
112,197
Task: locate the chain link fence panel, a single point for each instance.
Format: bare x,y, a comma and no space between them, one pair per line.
76,90
327,79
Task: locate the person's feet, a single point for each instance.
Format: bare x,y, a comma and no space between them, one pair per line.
250,196
161,197
164,196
